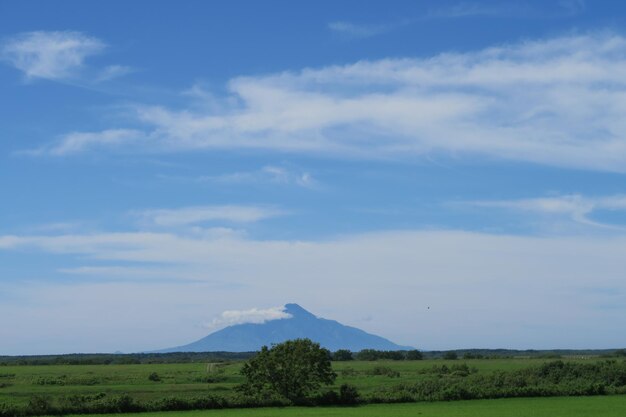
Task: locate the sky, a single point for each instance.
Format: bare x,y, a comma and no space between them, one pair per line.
446,174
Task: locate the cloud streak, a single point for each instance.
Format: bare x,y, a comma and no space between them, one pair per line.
202,214
58,56
556,102
576,207
253,315
50,55
268,174
77,142
357,31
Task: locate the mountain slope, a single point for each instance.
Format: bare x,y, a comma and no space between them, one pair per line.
302,324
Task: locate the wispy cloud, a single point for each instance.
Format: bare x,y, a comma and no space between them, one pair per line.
556,102
475,9
573,7
524,10
50,55
576,207
202,214
272,174
354,30
58,56
253,315
113,71
77,142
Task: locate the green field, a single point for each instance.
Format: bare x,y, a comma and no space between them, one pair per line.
19,383
614,406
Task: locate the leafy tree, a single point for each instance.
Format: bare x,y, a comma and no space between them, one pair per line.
414,355
374,355
342,355
293,370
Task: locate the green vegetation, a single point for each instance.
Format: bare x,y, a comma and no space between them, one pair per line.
125,359
293,371
517,407
56,389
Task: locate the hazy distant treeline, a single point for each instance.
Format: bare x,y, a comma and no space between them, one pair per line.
365,355
125,359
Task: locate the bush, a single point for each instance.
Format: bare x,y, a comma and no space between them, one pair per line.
154,377
384,370
39,405
7,410
348,395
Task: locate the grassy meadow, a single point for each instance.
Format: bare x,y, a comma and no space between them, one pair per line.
614,406
150,382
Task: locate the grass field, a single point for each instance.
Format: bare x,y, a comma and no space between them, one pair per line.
614,406
19,383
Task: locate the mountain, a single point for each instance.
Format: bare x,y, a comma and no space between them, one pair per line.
302,324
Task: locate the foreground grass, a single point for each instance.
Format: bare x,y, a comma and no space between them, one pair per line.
19,383
613,406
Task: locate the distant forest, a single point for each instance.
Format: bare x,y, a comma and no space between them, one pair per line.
192,357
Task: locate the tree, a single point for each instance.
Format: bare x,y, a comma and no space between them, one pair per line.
342,355
293,370
450,355
414,355
620,352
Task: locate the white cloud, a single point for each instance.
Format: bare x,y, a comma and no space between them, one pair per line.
354,30
201,214
76,142
575,206
50,55
558,102
573,7
253,315
472,9
113,71
469,9
267,174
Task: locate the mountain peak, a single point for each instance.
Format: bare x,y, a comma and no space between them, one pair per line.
250,337
297,312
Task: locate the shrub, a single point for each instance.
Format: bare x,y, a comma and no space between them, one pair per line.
384,370
39,405
154,377
348,395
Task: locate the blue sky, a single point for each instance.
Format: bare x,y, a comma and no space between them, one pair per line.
162,163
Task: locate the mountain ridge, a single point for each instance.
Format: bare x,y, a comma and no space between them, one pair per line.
249,337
